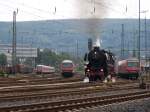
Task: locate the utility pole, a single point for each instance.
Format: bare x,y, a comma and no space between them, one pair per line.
139,55
122,42
128,47
77,49
14,43
145,40
145,22
134,44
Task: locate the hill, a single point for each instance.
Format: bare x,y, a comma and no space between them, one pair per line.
73,34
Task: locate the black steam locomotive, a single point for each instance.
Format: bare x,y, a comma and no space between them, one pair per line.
100,64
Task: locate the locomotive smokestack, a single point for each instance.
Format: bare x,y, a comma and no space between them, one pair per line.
90,44
96,42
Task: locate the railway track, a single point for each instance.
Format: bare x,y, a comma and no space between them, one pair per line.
50,91
63,93
36,81
15,90
77,103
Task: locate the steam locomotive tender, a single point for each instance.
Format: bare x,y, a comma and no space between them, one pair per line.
100,64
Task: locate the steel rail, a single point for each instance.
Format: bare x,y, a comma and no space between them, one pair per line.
62,93
77,103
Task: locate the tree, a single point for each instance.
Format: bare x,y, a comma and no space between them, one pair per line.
3,59
48,57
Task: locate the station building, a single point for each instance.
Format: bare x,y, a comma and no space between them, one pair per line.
22,52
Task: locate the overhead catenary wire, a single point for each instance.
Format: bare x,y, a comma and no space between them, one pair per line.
41,17
109,6
11,8
36,15
37,9
104,5
28,6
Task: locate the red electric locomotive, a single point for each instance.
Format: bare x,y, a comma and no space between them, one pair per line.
128,68
67,68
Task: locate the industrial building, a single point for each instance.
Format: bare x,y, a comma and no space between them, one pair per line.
22,52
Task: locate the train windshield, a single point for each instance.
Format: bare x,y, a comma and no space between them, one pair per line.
67,64
132,64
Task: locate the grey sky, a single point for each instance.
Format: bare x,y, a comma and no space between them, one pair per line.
64,9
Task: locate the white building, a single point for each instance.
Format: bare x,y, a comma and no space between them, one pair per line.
22,51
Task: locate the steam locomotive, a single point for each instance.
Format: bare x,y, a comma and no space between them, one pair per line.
101,64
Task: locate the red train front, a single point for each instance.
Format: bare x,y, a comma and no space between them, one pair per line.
128,68
67,68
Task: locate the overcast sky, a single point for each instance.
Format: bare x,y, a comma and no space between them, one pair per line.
64,9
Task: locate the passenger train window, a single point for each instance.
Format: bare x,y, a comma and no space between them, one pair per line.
67,64
132,64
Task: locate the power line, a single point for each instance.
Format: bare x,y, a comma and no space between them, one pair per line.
25,5
10,7
104,5
95,2
30,13
37,9
35,15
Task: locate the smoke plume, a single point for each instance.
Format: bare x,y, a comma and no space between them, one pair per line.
94,10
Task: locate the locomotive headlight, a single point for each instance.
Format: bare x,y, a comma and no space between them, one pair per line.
101,70
88,70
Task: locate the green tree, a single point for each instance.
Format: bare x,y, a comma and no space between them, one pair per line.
48,57
3,59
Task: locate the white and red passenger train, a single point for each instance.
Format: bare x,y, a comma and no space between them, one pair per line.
128,68
43,69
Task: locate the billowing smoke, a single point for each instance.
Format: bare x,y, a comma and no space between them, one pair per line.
94,10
